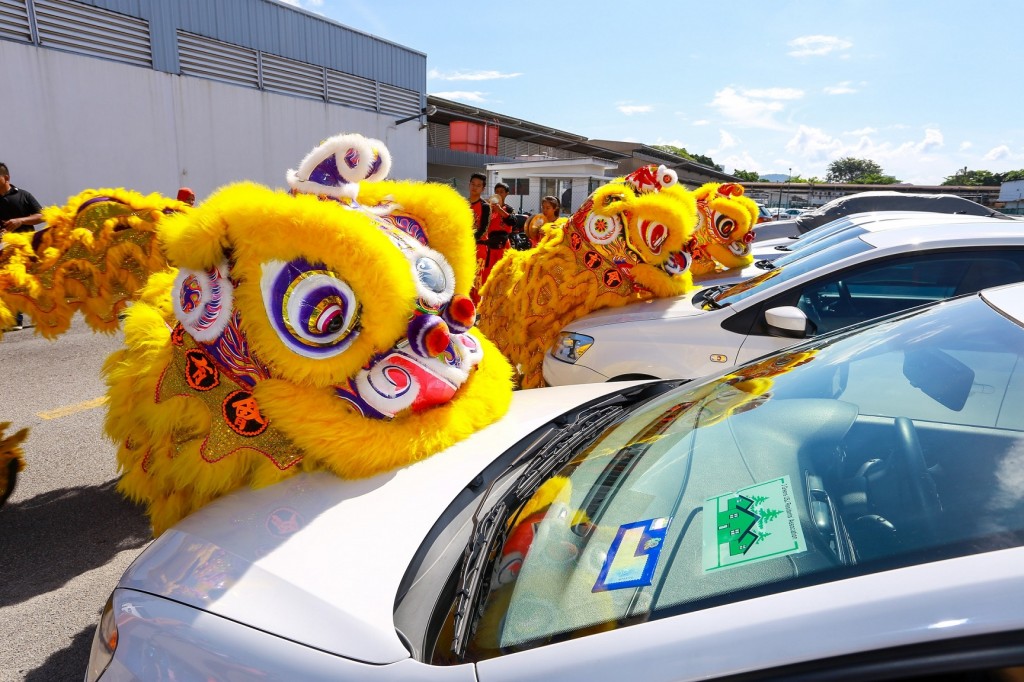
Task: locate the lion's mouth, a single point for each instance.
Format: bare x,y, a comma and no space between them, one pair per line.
401,380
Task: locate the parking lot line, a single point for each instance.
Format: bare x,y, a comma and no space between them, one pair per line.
71,409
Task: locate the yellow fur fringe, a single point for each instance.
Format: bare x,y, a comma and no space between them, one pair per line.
90,259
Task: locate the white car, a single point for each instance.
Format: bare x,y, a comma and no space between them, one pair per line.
850,226
856,279
851,508
881,200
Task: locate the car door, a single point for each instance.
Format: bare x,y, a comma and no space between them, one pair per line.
867,291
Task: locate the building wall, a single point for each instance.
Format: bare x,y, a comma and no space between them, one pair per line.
98,123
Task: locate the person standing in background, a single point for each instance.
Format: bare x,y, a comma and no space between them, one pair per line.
550,208
481,223
19,212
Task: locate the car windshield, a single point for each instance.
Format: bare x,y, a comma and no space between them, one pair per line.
800,263
887,445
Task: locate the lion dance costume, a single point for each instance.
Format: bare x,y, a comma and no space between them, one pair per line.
626,243
639,237
329,328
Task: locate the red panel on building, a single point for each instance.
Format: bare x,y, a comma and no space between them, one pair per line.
465,136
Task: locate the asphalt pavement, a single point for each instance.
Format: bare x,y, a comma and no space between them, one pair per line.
66,534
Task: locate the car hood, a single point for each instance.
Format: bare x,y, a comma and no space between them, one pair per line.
658,308
317,559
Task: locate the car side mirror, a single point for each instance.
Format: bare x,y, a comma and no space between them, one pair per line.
788,320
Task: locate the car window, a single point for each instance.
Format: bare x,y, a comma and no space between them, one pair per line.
798,267
800,251
855,453
878,289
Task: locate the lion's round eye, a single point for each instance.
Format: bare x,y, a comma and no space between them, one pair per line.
725,226
313,310
434,276
430,274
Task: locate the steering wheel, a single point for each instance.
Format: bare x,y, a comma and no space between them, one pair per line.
922,496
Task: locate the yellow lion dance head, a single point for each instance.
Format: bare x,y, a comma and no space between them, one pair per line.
631,240
725,220
326,328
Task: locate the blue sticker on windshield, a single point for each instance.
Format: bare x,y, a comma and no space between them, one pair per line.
633,555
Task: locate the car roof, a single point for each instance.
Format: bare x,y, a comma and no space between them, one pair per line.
1008,299
945,234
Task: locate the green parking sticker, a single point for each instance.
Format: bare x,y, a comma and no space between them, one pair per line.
752,524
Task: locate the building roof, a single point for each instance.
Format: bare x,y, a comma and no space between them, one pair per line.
518,129
670,159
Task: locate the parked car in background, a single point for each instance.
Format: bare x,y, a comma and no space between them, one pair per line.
849,226
873,201
854,280
860,485
764,215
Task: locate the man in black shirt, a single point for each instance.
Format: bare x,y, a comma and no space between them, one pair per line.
19,211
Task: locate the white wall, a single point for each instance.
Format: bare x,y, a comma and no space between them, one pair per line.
70,123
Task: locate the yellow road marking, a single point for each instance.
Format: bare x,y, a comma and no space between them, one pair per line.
71,409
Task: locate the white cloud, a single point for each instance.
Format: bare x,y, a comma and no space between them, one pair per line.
470,75
702,122
753,108
817,46
726,141
997,153
476,97
965,145
932,141
814,145
861,131
742,161
630,109
774,93
910,158
843,88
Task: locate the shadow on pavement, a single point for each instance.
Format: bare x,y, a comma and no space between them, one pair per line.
67,664
49,539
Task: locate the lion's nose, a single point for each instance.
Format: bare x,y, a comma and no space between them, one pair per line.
428,335
460,314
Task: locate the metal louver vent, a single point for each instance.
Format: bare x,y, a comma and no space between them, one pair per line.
399,100
292,77
344,88
213,59
93,31
14,20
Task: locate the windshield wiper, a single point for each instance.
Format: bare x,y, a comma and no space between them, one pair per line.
766,264
490,531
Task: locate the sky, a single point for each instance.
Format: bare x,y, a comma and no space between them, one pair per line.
922,87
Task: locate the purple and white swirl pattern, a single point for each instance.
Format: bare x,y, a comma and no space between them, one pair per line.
203,301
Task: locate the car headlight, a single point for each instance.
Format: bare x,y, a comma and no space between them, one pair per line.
104,642
571,346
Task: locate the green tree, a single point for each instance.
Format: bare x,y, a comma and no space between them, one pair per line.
976,178
875,179
849,169
1010,176
748,176
681,151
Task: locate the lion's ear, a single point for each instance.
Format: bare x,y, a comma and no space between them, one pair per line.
194,239
612,199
